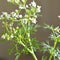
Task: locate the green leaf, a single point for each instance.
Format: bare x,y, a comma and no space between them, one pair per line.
44,57
33,9
28,12
17,1
24,1
10,50
45,46
12,1
25,51
35,44
58,39
51,27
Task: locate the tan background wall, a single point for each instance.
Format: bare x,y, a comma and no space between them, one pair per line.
50,11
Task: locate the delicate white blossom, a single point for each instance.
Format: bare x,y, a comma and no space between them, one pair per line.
17,27
20,16
8,0
17,11
15,31
21,7
58,16
33,20
57,29
26,15
27,6
3,36
5,14
1,16
38,8
11,36
33,3
13,14
35,16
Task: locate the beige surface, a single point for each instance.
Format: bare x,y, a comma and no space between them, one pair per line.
50,11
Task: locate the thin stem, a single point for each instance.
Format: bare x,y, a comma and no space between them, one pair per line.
55,43
28,34
32,52
24,46
50,57
34,56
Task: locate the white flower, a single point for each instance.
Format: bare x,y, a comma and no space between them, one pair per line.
33,20
28,34
26,6
1,16
8,0
15,31
57,29
11,36
35,16
58,16
38,8
20,16
29,4
17,11
3,36
21,7
13,14
26,15
5,14
17,16
11,24
33,3
17,27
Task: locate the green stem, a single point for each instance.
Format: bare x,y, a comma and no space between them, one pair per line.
34,56
55,43
32,52
50,57
24,46
28,34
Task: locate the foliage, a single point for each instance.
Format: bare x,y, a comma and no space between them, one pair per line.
19,27
54,50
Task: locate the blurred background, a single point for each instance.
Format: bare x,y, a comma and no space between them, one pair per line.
50,11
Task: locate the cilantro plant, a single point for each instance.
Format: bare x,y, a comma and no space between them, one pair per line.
19,25
52,49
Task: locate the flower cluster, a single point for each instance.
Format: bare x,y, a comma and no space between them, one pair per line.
31,12
20,24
